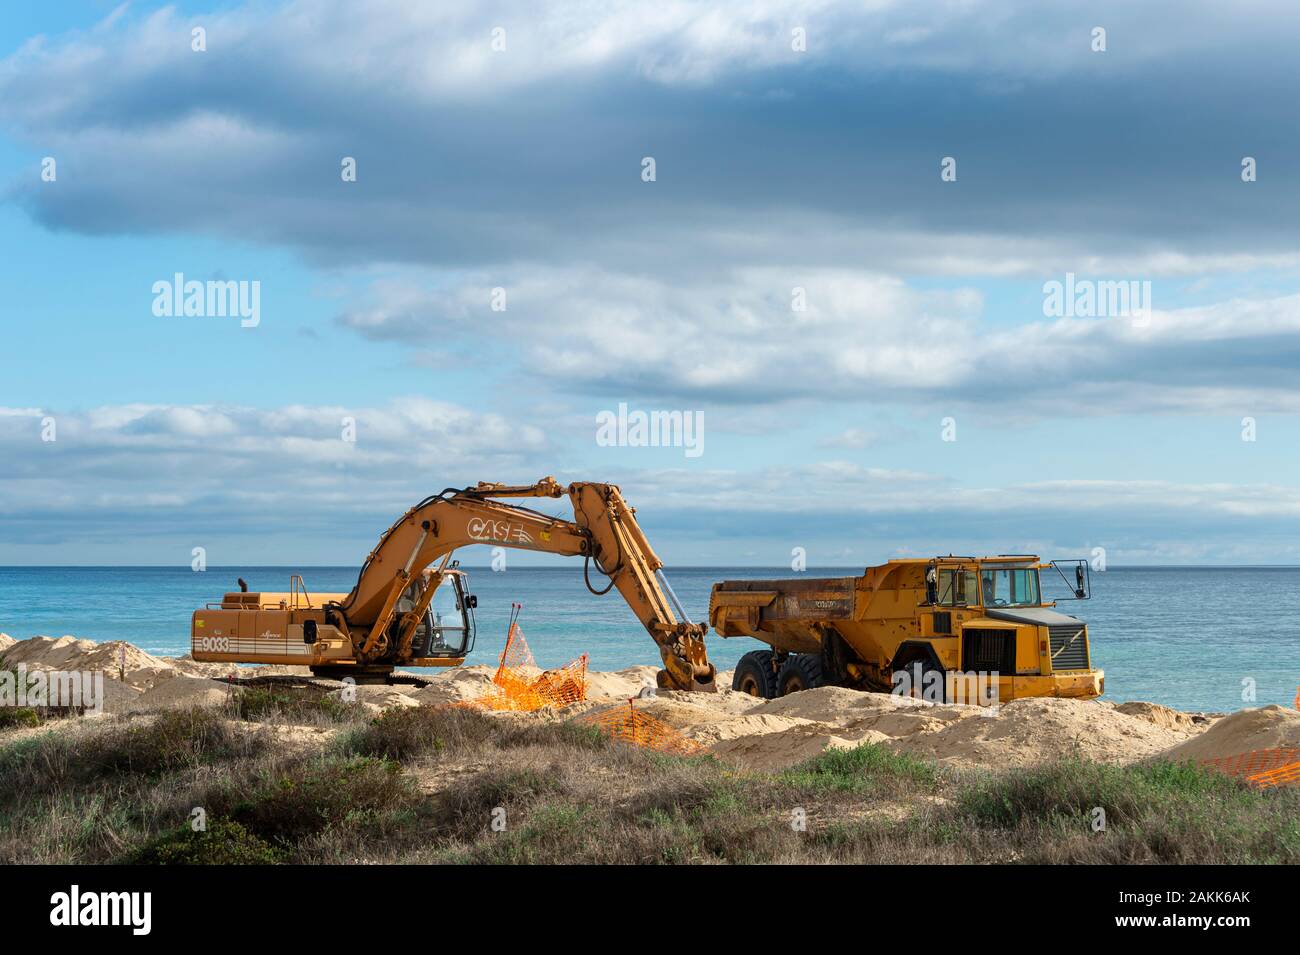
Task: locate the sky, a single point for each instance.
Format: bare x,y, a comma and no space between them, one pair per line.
840,269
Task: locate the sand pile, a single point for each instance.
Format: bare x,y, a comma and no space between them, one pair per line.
1159,715
456,685
774,734
1245,731
1026,732
115,657
621,684
119,697
6,642
778,733
69,653
184,693
376,699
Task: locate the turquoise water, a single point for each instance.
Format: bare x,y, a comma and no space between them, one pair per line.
1185,637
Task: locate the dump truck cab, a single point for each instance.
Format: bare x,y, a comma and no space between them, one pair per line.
960,629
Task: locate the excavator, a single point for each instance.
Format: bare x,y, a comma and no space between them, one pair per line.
411,606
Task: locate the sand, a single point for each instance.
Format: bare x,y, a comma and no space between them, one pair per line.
1159,715
1265,727
753,734
69,653
184,693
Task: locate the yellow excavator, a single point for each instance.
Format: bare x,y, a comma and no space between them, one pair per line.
411,606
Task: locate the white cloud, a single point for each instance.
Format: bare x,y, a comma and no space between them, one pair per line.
132,457
735,337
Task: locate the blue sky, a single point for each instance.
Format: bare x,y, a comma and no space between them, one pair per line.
776,168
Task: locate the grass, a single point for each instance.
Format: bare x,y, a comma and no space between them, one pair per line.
291,704
866,769
452,785
1158,812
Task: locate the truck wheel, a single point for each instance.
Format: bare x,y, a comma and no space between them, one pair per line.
921,670
802,671
754,675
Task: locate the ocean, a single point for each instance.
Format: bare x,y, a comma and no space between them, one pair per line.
1194,638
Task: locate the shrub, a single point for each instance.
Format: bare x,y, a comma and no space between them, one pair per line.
403,732
259,703
225,842
145,746
314,796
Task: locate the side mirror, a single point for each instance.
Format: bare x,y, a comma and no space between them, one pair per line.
1081,589
471,601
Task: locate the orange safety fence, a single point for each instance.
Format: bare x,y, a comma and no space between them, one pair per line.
518,687
626,724
1261,768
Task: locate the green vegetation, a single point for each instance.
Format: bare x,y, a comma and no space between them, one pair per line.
291,704
458,786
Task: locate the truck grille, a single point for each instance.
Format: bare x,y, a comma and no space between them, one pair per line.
988,651
1067,655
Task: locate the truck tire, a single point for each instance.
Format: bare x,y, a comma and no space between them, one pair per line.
754,675
923,674
801,671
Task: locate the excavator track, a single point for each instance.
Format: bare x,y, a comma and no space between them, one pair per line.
311,682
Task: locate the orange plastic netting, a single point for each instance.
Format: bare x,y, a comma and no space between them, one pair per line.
519,687
1263,767
626,725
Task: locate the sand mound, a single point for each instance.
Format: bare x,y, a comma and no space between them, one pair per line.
1031,731
794,744
835,704
117,698
456,685
774,734
621,684
1159,715
740,727
6,642
1245,731
379,697
69,653
184,692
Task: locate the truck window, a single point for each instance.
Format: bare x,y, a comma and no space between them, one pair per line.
1010,587
957,587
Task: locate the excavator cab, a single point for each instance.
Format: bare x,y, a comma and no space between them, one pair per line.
448,626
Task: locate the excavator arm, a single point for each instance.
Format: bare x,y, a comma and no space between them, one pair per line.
604,532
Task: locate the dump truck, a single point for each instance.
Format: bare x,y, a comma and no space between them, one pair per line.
957,629
411,605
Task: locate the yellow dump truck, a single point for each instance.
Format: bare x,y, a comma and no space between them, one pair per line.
943,628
